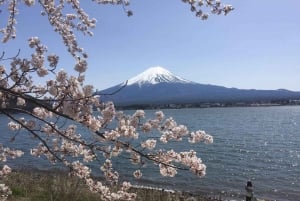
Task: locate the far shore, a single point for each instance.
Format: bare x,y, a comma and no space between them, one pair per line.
209,105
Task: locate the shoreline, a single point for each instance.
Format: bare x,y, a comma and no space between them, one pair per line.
29,184
18,181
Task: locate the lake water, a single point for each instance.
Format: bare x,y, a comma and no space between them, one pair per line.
257,143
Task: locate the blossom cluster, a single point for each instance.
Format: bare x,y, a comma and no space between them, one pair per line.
216,7
149,144
9,32
168,162
4,191
5,153
107,194
5,171
124,3
200,136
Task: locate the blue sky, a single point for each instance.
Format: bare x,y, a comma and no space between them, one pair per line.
256,46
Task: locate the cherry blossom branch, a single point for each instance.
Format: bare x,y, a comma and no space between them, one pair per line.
65,98
10,31
196,6
9,58
34,134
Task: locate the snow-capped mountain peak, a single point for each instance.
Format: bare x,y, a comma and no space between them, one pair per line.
155,75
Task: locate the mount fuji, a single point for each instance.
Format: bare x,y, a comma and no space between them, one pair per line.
158,86
156,75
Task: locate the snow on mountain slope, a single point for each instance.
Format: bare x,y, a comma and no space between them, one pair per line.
155,75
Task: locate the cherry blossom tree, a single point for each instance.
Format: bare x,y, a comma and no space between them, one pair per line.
53,111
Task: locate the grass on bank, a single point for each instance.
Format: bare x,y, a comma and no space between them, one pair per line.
58,186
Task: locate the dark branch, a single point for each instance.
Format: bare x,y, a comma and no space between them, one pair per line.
113,93
9,58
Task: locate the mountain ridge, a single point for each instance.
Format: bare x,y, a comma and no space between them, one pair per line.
158,86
